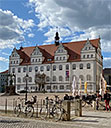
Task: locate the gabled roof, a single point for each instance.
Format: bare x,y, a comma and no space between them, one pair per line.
4,72
49,50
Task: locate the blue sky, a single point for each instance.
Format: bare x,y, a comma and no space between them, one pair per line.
34,22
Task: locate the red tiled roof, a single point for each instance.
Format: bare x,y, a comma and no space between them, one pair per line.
4,72
73,48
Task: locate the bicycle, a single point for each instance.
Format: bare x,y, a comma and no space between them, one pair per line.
25,107
53,108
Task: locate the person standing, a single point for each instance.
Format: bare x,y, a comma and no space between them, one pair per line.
107,99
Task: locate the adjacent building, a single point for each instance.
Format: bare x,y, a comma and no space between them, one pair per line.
60,62
3,80
107,75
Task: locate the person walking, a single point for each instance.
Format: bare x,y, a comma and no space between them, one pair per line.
107,99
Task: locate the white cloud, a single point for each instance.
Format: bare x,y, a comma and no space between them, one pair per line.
31,35
3,59
107,62
12,29
93,17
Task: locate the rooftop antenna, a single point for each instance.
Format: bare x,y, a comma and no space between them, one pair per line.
57,37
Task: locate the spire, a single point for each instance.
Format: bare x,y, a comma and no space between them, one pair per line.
57,39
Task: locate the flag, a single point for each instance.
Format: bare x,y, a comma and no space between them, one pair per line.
73,86
67,73
85,87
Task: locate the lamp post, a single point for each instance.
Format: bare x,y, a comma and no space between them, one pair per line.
26,78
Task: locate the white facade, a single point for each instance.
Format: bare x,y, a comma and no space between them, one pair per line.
59,69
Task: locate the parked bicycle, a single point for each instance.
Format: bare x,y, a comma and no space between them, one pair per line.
26,108
53,108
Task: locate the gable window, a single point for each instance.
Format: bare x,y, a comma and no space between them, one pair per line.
86,48
64,58
67,67
81,66
19,70
60,67
17,61
54,67
41,68
48,68
74,66
30,69
32,60
36,69
56,58
88,66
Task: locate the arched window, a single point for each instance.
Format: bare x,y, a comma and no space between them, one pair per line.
60,78
30,79
19,80
30,69
54,78
81,77
19,70
47,78
56,58
88,66
81,66
36,69
60,67
67,67
74,66
54,67
41,68
88,77
48,68
64,58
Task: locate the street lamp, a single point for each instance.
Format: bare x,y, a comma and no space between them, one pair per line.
26,78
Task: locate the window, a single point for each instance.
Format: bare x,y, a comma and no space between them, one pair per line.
61,87
89,48
48,68
83,56
87,56
32,60
24,69
39,60
11,62
88,66
24,79
56,58
55,87
36,60
60,78
74,66
48,87
67,78
30,79
47,78
19,80
68,87
86,48
88,77
36,69
60,58
64,58
81,77
17,61
81,66
54,78
18,87
67,67
91,55
60,67
19,70
54,67
41,68
30,69
13,70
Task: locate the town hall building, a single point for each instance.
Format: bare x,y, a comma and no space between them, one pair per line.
60,62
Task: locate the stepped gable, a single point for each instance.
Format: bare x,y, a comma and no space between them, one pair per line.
49,50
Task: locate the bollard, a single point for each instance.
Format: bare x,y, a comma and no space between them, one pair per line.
6,106
78,107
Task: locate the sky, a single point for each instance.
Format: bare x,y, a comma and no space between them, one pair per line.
34,22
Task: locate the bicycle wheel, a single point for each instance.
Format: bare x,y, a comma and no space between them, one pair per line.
43,112
83,103
29,111
56,113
